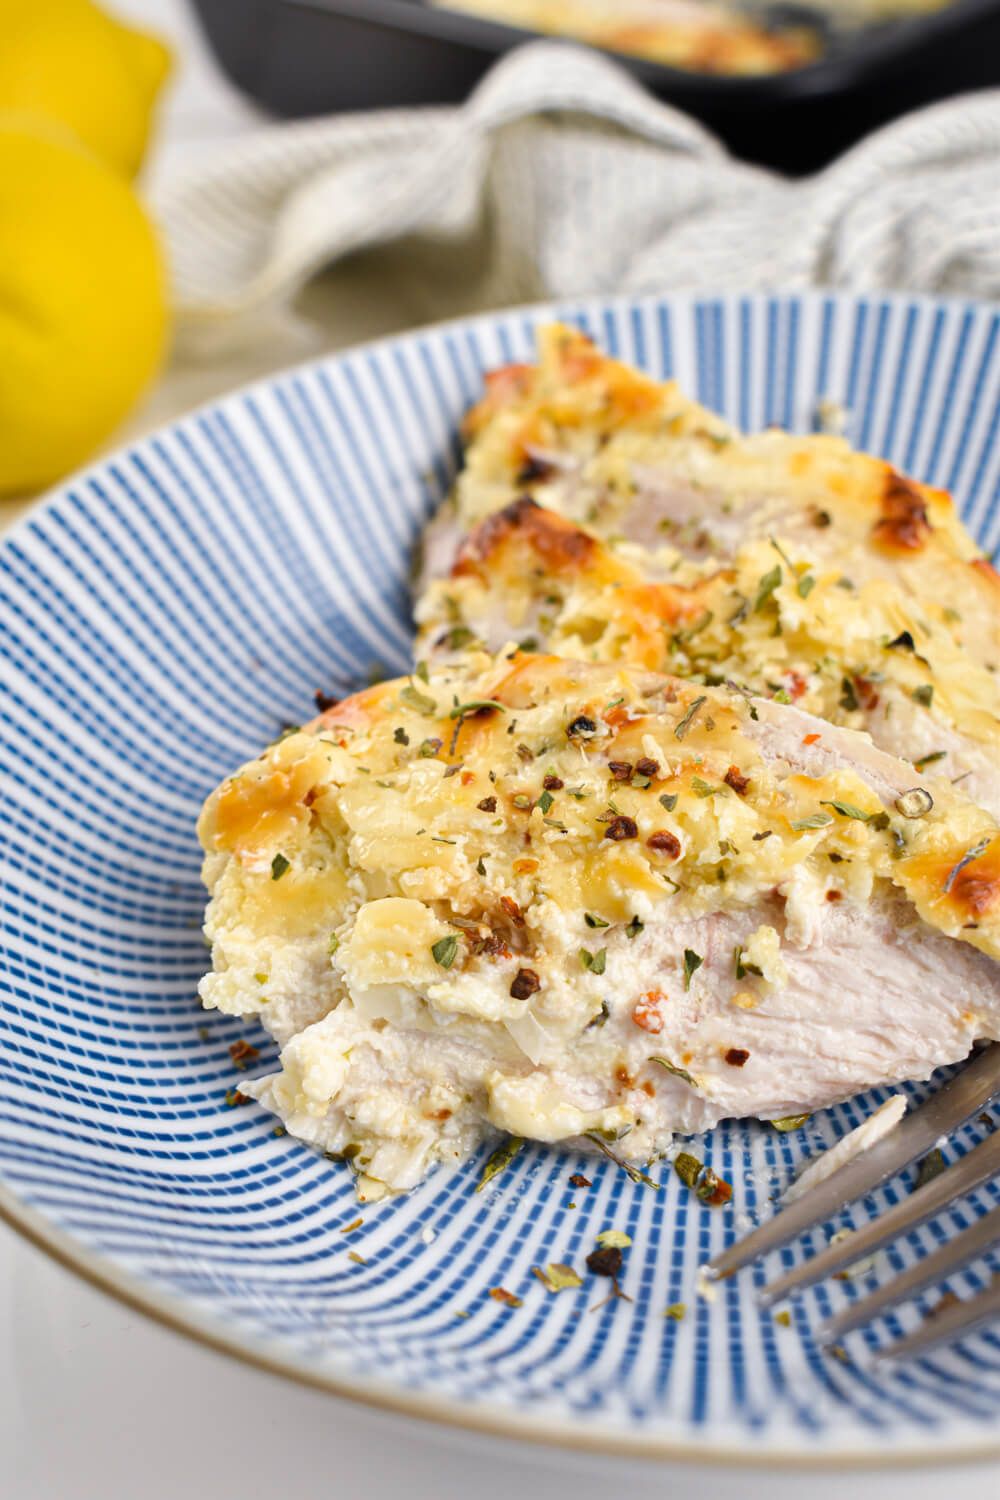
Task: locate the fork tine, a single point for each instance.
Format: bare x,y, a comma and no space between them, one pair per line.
970,1171
946,1326
934,1268
967,1093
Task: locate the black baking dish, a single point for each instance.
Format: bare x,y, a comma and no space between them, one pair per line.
308,57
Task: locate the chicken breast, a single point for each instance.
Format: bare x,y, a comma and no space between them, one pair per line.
777,619
677,490
587,902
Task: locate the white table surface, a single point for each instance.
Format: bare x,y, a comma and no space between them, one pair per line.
99,1403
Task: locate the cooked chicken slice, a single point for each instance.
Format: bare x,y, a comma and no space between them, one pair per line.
558,898
640,464
776,619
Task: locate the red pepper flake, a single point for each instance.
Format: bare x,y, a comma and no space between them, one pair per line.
621,770
621,828
579,1181
501,1294
646,1013
833,896
647,767
234,1098
525,984
811,739
713,1189
605,1261
488,804
665,842
243,1052
866,692
467,778
737,1056
734,778
552,783
324,702
512,909
795,685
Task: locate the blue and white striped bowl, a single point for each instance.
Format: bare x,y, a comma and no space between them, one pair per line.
162,615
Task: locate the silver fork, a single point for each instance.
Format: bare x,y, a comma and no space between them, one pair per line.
964,1096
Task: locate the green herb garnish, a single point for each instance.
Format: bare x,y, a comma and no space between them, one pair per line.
766,587
634,928
475,705
501,1158
545,801
742,967
681,1073
632,1173
815,820
692,962
595,962
790,1122
805,585
967,858
924,694
593,921
681,729
931,1166
279,865
688,1168
668,800
445,951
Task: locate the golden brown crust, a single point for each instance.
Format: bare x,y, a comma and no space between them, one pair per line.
556,544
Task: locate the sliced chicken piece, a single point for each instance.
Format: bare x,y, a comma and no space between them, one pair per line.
777,620
561,899
637,461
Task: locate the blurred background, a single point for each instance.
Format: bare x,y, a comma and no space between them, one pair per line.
196,192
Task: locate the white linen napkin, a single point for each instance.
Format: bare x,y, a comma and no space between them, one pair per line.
561,176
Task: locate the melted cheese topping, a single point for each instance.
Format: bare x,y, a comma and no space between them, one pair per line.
426,894
680,33
607,447
777,618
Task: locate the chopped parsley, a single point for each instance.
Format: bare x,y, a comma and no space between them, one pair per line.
766,587
279,865
445,951
928,760
400,736
742,966
790,1122
668,800
475,706
967,858
681,729
923,694
815,820
681,1073
634,928
805,585
593,921
499,1160
595,962
692,962
545,801
848,810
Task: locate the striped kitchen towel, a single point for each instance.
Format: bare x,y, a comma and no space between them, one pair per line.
561,176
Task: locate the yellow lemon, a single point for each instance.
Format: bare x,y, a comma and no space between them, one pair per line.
83,302
70,61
